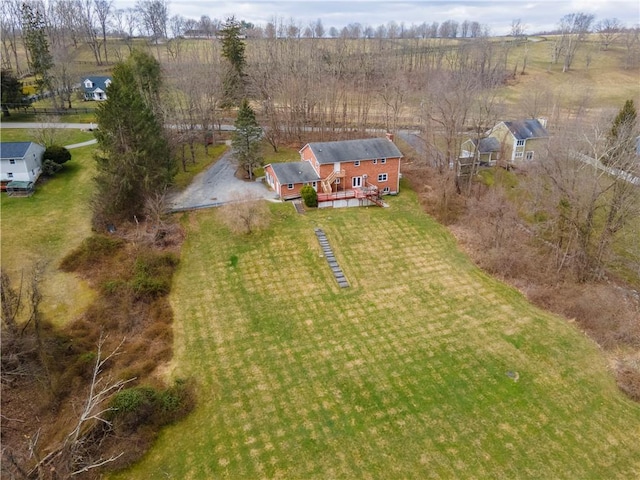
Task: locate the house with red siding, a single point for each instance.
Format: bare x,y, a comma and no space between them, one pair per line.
344,173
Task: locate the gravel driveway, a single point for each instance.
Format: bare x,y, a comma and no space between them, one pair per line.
218,185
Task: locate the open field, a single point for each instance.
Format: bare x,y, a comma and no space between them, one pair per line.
424,368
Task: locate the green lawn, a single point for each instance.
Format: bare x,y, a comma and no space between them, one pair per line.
61,136
47,225
409,373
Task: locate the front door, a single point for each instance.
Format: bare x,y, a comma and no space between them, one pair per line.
356,182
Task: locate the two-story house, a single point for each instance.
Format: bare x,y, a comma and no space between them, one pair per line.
344,173
509,142
95,88
20,162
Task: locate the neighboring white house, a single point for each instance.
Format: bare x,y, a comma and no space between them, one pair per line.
95,88
20,161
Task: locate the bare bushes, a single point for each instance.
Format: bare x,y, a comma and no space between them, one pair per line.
436,191
133,279
245,215
604,311
628,377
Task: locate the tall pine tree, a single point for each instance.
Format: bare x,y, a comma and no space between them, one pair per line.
135,161
623,135
233,82
11,91
246,139
37,44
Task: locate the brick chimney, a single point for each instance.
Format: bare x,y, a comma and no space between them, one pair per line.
389,136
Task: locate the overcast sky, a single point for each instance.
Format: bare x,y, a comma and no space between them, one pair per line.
536,15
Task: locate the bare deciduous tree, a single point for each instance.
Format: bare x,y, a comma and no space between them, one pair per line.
80,452
587,203
574,29
245,214
608,30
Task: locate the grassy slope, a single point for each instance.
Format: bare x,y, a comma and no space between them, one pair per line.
403,375
603,84
46,226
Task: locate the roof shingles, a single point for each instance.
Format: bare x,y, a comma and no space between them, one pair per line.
13,150
352,150
526,129
295,172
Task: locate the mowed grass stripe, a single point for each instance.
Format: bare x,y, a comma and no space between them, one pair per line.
404,374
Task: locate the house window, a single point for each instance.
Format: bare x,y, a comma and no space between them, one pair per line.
518,154
386,190
375,160
290,186
337,180
529,156
382,177
314,184
12,161
356,163
383,161
10,175
520,143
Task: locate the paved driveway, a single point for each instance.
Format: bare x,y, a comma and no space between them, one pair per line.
218,185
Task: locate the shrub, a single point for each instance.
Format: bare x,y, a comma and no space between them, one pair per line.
56,154
92,250
147,406
152,274
309,196
50,168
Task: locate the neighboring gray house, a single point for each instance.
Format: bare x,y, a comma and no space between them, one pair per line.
20,161
95,88
521,139
509,142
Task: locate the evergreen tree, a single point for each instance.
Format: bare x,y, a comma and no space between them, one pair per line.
11,91
37,44
246,139
622,137
135,161
233,51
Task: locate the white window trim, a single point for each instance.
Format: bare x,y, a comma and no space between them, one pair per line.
529,155
337,180
12,161
518,154
383,161
9,174
375,161
386,190
520,143
356,163
383,177
290,186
